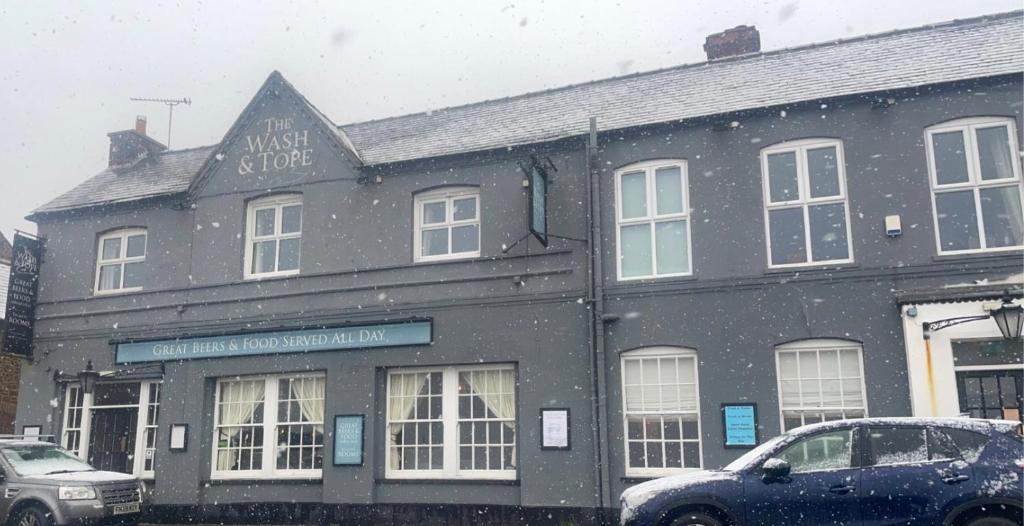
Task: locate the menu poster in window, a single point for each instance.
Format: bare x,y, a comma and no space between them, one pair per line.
348,440
739,423
554,425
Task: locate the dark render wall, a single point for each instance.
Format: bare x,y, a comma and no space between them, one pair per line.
356,266
734,310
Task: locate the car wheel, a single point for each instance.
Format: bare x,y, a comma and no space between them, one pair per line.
694,518
992,521
32,516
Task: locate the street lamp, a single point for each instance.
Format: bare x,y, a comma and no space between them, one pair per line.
1009,317
88,378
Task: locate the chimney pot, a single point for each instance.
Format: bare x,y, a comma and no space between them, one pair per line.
739,40
140,124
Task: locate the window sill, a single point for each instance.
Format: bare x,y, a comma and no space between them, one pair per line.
276,275
266,481
978,255
116,292
815,267
441,259
481,482
650,280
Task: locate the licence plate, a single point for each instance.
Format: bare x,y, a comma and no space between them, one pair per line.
121,509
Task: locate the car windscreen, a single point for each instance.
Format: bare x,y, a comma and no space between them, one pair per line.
42,460
752,455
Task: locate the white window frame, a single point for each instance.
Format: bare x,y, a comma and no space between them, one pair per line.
450,422
649,168
975,183
817,345
446,195
121,260
660,352
276,202
804,200
270,423
85,426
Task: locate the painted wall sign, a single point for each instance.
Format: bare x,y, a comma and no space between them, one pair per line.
419,332
278,146
23,287
739,423
348,440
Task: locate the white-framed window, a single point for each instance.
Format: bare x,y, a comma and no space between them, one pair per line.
120,261
661,411
807,219
447,224
975,176
273,236
269,427
820,380
452,423
652,220
140,399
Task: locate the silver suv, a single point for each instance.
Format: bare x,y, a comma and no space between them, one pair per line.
42,484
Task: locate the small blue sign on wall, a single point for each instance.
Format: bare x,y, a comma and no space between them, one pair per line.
739,425
348,440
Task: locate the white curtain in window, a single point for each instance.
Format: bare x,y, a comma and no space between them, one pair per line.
239,400
497,390
310,395
401,401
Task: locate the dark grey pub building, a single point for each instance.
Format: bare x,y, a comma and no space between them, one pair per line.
354,323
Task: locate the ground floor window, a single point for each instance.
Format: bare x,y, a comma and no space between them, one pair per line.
269,426
820,381
114,428
452,422
661,412
989,378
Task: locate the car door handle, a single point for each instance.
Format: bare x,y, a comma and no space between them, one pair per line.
955,479
842,489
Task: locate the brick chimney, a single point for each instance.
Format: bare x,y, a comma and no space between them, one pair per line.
129,147
739,40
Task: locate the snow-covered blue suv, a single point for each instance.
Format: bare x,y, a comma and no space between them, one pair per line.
874,471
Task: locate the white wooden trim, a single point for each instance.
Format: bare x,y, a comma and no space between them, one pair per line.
446,195
660,352
649,169
996,367
269,425
968,128
449,422
817,345
121,260
804,200
277,202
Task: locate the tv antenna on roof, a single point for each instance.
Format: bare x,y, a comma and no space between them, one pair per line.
171,103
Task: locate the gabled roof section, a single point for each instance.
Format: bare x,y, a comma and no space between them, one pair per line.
275,86
961,50
953,51
6,252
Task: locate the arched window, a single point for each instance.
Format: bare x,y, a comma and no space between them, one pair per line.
976,185
447,224
120,261
661,411
273,236
820,380
806,214
652,220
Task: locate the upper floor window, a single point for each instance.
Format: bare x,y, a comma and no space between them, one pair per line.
976,185
805,203
653,220
273,236
661,411
447,224
120,258
820,381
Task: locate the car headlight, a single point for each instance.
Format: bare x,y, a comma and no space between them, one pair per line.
76,493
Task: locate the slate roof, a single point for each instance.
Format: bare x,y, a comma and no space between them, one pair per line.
958,50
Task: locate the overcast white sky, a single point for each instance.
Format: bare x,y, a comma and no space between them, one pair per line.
68,69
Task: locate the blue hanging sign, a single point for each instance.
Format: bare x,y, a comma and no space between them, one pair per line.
348,440
419,332
739,423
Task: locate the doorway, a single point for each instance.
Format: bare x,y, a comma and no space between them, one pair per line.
991,394
112,440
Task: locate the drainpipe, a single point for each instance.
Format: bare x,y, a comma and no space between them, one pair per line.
595,291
